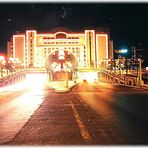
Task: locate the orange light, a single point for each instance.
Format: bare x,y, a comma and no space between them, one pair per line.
89,76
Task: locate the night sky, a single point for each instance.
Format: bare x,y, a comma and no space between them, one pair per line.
128,23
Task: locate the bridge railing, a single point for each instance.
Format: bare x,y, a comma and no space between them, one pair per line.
18,76
121,79
12,78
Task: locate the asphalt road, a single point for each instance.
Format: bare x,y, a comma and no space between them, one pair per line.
91,114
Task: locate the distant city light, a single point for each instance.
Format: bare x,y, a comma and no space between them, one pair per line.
123,51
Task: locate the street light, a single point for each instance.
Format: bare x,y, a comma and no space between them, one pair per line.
140,72
2,58
123,51
66,74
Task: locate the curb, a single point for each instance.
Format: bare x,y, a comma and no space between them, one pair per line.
66,89
62,90
73,86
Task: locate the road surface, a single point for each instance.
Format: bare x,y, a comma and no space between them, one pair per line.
91,114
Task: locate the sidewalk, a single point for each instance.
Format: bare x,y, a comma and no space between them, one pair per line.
60,86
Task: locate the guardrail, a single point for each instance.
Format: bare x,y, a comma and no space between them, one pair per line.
107,75
121,79
18,76
15,77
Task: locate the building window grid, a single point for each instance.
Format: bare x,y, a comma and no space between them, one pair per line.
48,38
53,43
31,48
57,43
75,49
31,54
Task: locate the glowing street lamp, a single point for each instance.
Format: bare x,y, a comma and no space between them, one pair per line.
123,51
66,75
61,55
140,72
2,58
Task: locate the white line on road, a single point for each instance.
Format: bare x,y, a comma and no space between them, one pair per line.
85,134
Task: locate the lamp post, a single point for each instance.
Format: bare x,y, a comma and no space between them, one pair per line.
119,64
66,75
140,72
1,64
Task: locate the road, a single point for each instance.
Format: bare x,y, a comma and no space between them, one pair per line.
91,114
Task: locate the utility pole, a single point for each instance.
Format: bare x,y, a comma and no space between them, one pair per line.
66,75
140,72
1,70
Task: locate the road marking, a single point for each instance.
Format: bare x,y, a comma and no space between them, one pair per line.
85,134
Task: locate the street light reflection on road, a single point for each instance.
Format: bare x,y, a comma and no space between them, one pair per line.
31,92
89,76
35,81
101,100
35,84
16,112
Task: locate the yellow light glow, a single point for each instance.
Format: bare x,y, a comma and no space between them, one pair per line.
71,44
35,81
4,62
11,59
69,64
54,64
89,76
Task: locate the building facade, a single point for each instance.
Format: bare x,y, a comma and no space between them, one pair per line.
88,48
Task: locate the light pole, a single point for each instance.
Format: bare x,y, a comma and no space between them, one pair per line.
134,53
1,68
66,75
140,72
127,66
1,64
119,64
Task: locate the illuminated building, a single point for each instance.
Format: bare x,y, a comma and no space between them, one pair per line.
35,49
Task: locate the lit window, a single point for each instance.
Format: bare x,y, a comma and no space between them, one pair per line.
61,55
